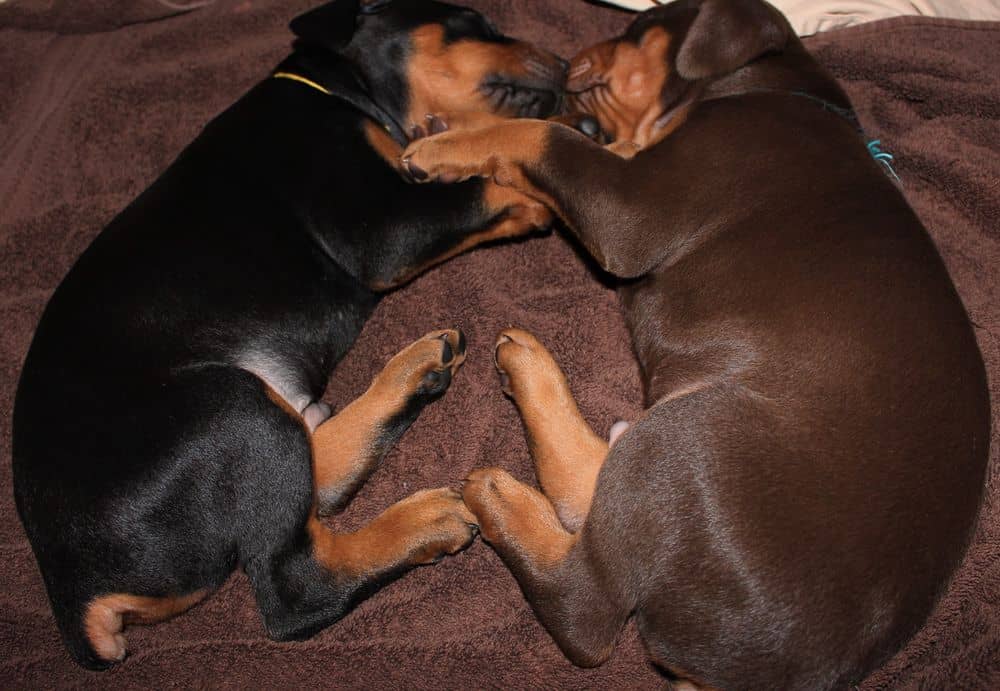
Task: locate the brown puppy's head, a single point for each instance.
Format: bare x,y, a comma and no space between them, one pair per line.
636,85
418,56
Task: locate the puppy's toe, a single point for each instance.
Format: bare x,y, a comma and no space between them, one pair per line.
520,358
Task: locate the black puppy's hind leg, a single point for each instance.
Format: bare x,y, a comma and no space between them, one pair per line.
315,575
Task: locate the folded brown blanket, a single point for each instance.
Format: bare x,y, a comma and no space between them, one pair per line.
88,120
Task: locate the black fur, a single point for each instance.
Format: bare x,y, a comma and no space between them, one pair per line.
147,459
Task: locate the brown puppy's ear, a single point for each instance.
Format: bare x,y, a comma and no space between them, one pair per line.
727,34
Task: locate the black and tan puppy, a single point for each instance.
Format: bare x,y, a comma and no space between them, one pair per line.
808,469
162,430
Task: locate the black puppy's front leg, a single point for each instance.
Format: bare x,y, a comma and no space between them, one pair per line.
349,446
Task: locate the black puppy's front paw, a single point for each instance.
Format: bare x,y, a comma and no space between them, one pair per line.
437,379
423,371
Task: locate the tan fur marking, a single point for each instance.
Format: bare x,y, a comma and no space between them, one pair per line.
448,77
384,145
107,615
344,447
277,399
621,84
522,215
519,517
417,530
568,455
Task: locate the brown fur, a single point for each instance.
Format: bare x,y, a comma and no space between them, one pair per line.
803,353
568,455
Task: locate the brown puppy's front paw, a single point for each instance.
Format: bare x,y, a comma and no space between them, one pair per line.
443,523
446,157
527,369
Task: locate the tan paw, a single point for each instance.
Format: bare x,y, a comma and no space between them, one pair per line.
451,156
527,369
441,522
517,520
426,367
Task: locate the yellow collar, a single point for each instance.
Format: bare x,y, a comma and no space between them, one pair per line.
370,110
299,78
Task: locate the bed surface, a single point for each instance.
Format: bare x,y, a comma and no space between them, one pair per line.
90,116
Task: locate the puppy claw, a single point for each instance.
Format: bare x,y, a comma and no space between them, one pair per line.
435,124
415,171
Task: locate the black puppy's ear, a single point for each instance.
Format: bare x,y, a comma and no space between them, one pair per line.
331,25
373,6
727,34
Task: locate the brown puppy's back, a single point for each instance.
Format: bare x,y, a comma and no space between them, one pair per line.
817,489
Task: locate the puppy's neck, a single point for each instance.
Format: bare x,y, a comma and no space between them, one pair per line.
791,72
340,78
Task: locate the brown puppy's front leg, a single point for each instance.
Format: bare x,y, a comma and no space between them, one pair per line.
348,446
568,455
590,187
480,147
537,535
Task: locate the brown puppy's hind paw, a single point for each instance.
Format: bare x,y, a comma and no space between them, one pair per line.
512,516
526,367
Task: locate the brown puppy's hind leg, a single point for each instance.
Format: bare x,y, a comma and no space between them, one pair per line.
549,564
539,535
348,446
568,455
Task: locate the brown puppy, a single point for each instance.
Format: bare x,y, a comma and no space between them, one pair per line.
810,464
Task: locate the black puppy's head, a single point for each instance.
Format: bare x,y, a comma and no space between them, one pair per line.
630,82
419,57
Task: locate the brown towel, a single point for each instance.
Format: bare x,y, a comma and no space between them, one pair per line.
88,120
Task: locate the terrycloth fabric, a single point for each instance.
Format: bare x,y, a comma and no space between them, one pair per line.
88,120
810,17
85,16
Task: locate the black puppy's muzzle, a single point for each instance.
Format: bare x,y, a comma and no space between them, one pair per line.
535,91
